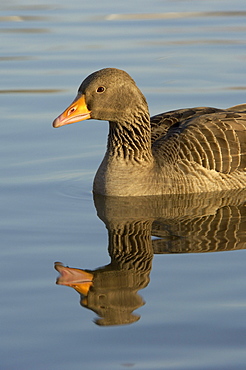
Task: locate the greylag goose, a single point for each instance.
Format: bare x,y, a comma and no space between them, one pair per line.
182,151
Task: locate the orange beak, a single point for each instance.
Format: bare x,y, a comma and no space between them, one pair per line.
78,279
77,111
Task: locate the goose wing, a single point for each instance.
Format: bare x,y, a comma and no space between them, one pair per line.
213,138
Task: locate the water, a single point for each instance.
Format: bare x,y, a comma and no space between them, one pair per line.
187,307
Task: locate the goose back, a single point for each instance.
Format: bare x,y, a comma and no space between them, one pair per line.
210,137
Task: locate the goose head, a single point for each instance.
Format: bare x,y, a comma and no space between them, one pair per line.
109,94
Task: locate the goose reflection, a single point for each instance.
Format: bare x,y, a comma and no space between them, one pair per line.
193,223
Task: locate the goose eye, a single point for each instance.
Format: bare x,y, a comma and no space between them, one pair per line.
100,89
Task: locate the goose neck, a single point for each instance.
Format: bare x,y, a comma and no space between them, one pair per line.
130,140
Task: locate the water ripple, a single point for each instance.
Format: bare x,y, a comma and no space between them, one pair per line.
30,91
173,15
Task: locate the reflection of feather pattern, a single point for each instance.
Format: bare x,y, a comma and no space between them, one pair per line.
183,223
115,286
222,231
130,245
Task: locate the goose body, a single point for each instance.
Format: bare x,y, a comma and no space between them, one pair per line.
183,151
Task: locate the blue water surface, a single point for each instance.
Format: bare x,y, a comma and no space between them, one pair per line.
182,54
